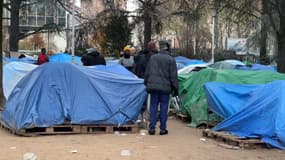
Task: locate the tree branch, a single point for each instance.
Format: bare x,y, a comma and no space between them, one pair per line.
51,27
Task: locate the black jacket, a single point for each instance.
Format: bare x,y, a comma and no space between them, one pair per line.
161,73
92,59
141,61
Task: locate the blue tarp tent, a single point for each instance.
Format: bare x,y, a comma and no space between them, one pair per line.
256,67
227,64
254,111
63,57
182,62
26,60
12,73
55,92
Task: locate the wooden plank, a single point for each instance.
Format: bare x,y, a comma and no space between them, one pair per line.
231,139
183,117
68,128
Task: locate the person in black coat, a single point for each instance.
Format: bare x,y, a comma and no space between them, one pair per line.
161,81
92,58
143,57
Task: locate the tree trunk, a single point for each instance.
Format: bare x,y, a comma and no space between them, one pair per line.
2,98
281,39
14,27
216,27
263,33
147,29
281,53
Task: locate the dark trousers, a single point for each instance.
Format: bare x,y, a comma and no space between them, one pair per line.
157,98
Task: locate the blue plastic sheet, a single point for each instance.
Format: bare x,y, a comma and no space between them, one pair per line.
182,62
250,110
55,92
227,64
256,67
14,59
63,57
12,73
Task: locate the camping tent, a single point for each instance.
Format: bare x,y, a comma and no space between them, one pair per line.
191,91
182,62
63,57
227,64
12,73
250,110
55,92
256,66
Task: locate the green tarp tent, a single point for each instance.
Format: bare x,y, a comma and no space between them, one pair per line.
192,94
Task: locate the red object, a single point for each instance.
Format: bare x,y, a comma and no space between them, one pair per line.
42,59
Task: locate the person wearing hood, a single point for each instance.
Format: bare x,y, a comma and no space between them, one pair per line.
161,81
42,58
143,57
92,58
127,60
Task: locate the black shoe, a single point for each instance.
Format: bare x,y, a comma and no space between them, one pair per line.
163,132
151,132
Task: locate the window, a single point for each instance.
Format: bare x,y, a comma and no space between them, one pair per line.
42,12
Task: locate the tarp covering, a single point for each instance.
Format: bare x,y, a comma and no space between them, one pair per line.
227,64
182,62
191,68
63,57
191,91
12,73
55,92
250,110
257,67
14,59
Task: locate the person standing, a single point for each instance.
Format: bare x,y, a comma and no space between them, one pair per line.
161,81
92,58
43,58
143,57
127,60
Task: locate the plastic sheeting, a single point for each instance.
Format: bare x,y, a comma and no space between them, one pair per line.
227,64
255,67
12,73
250,110
192,94
14,59
182,62
190,68
63,57
55,92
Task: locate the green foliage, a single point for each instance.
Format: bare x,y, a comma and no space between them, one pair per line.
117,32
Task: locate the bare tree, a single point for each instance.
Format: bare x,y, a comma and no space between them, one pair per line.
16,34
274,11
149,13
2,98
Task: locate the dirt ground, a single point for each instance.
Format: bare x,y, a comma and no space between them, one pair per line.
182,143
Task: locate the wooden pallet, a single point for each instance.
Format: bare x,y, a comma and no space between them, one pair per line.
233,140
129,128
74,129
183,117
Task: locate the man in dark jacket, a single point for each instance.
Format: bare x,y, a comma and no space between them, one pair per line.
92,58
143,57
161,81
